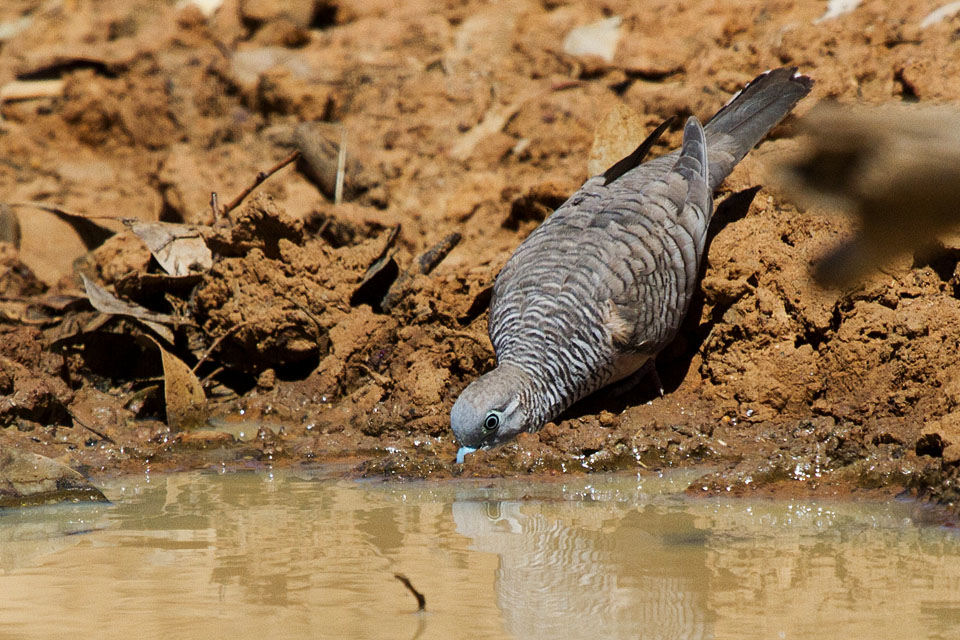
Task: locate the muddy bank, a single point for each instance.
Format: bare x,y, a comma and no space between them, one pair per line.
321,331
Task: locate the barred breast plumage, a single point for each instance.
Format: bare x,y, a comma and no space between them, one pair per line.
598,289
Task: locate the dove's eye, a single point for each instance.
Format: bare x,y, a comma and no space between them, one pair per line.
492,421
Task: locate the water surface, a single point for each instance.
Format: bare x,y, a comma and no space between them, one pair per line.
300,556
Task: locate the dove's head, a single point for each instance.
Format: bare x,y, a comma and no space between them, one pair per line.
491,410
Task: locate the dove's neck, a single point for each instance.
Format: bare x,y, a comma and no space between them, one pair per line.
542,392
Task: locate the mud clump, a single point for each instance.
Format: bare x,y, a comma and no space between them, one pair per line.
324,330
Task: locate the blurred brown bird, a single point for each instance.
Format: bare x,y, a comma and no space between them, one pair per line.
895,168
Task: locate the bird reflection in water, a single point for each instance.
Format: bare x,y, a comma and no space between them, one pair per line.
581,570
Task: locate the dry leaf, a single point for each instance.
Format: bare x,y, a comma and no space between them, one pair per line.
378,276
595,39
64,300
185,400
74,325
91,233
617,135
837,8
24,312
179,248
940,14
105,302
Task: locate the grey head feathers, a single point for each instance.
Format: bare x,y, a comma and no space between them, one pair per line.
492,409
598,289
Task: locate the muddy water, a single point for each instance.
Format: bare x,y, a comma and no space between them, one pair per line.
299,556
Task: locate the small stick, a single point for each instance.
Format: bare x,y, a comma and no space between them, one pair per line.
102,436
206,379
306,311
463,334
216,343
421,601
378,378
31,89
341,167
435,254
261,177
323,227
215,206
565,84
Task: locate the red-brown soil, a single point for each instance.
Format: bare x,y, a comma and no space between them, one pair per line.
773,385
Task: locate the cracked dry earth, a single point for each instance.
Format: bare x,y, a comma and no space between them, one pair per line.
316,333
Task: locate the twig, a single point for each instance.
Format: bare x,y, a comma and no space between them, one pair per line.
206,379
216,343
380,379
341,167
215,206
102,436
323,227
31,89
565,84
260,179
306,311
421,601
453,333
435,254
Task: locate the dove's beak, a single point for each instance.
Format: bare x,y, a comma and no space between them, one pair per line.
463,451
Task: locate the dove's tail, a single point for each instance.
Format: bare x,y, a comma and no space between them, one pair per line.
749,115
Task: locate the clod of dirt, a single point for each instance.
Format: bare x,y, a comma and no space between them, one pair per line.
259,224
30,395
119,256
16,278
537,203
263,312
299,12
274,306
10,231
939,436
616,136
